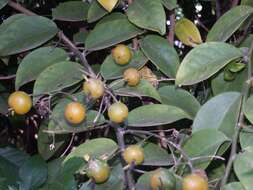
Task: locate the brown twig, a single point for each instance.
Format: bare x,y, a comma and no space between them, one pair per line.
60,35
171,34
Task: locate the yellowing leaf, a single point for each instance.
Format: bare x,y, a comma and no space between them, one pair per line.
108,4
148,75
187,32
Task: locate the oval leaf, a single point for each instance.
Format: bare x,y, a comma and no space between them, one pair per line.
20,33
204,61
35,62
229,23
3,3
170,4
171,95
111,70
248,109
243,168
95,12
111,30
71,11
57,77
208,142
187,32
93,148
220,112
144,88
159,51
233,186
59,125
154,115
148,14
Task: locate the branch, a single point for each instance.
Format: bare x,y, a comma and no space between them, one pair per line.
240,121
171,34
218,9
7,77
60,35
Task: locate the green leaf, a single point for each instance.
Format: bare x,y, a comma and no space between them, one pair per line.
143,182
236,67
144,88
233,186
111,70
148,15
71,11
243,168
45,140
154,115
246,139
94,148
220,85
247,2
170,4
204,143
80,37
3,3
187,32
57,77
204,61
229,23
248,109
220,112
13,155
95,12
114,182
159,51
155,155
111,30
20,33
171,95
35,62
59,125
33,173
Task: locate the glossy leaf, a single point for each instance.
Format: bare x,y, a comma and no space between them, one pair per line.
170,4
71,11
208,142
246,139
159,51
33,173
35,62
171,95
45,140
187,32
248,109
154,155
229,23
93,148
204,61
154,115
110,70
148,15
20,33
3,3
111,30
243,168
59,125
144,88
233,186
95,12
220,112
57,77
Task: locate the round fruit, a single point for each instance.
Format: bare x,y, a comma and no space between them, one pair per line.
94,88
118,112
20,102
98,170
134,154
121,54
162,179
195,182
132,76
75,113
